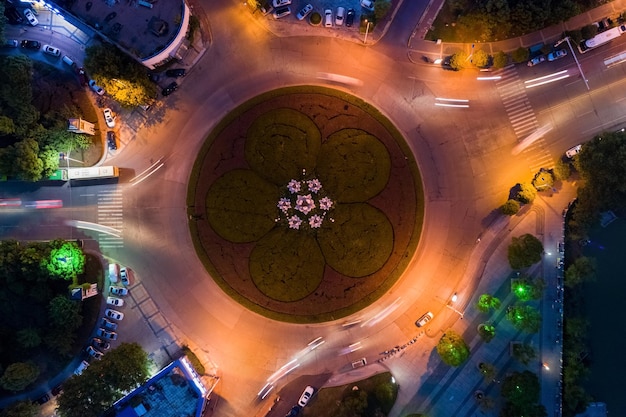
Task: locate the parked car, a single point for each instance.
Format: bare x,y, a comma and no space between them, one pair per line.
306,396
28,14
169,89
96,354
328,18
108,324
305,11
536,60
280,3
114,301
422,321
81,367
112,143
266,7
13,15
108,117
124,276
553,56
295,410
30,44
153,77
43,399
281,12
98,90
121,291
176,72
350,17
341,13
368,5
106,334
114,314
11,43
51,50
100,344
82,76
57,390
572,152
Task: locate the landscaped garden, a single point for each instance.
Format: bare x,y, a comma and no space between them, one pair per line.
306,204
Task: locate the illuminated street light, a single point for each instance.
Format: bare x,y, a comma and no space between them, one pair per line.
454,297
367,29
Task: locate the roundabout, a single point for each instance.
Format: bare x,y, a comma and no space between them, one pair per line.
312,201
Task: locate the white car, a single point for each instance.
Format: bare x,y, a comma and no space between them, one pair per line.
114,301
367,5
94,353
280,3
106,334
328,18
305,11
422,321
114,314
121,291
98,90
124,276
28,14
341,13
572,152
306,396
108,117
553,56
51,50
536,60
81,367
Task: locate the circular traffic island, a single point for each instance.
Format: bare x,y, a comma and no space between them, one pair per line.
305,204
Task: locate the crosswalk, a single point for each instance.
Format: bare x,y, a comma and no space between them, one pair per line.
522,118
110,213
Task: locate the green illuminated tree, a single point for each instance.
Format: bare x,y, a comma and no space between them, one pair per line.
487,332
488,302
66,260
452,348
510,208
524,251
523,288
524,318
18,376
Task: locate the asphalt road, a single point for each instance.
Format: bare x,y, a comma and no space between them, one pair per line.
464,156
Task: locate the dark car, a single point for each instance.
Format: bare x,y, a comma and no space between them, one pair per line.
169,89
294,411
175,72
13,15
30,44
57,390
82,77
153,77
350,17
111,140
43,399
100,344
267,7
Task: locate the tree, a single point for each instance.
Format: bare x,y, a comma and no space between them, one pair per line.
480,58
124,368
452,348
543,179
28,337
458,60
521,390
527,193
487,302
561,170
66,260
524,318
353,403
21,409
500,59
487,370
510,208
589,31
524,251
65,313
582,270
381,8
526,289
487,332
386,394
520,55
18,376
27,165
523,352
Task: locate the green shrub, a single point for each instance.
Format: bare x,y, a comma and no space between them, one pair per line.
526,193
500,59
589,31
561,171
315,18
543,180
510,208
480,58
193,359
520,55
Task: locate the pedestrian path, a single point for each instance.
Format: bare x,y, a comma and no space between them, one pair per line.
110,213
522,117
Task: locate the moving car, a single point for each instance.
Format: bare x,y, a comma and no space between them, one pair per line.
106,334
30,44
108,324
51,50
328,18
81,367
176,72
114,301
96,354
281,12
98,90
108,117
350,17
100,344
341,13
367,5
121,291
114,314
124,276
553,56
305,11
536,60
112,142
306,396
280,3
28,14
169,89
422,321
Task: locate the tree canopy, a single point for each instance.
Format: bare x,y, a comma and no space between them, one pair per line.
521,391
452,348
18,376
525,318
524,251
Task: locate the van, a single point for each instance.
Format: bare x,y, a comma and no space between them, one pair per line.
114,272
359,363
68,61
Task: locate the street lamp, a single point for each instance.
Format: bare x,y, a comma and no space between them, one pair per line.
453,299
367,29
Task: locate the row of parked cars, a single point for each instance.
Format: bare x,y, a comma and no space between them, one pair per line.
552,56
281,9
